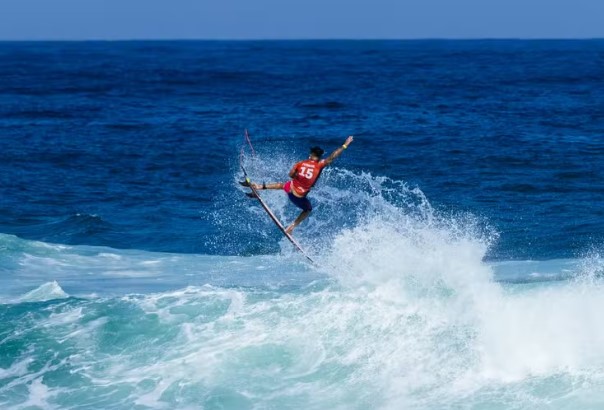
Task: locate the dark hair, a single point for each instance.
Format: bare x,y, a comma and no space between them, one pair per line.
317,151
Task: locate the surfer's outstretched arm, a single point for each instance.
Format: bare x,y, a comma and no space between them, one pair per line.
274,185
337,152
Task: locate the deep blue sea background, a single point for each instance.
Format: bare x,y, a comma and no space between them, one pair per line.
129,144
459,239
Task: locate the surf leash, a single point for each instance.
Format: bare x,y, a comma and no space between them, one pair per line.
249,142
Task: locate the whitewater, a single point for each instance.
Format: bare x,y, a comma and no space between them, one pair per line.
404,310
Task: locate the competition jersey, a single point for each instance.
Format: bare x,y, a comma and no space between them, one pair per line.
305,175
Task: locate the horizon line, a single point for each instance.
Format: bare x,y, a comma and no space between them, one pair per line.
226,39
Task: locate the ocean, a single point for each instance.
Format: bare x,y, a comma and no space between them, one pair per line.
459,240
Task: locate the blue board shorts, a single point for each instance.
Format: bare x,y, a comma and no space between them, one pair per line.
302,203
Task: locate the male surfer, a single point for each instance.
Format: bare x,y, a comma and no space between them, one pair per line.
304,175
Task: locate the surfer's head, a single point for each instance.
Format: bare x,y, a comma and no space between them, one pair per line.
316,153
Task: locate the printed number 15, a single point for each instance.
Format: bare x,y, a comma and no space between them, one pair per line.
307,172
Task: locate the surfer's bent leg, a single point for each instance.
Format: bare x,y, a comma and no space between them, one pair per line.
303,215
302,203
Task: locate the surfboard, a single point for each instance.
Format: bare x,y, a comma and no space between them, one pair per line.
274,218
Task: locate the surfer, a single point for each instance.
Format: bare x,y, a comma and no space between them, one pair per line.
304,175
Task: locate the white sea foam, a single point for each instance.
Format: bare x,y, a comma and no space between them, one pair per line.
47,291
39,394
17,369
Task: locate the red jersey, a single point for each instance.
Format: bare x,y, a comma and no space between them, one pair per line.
305,175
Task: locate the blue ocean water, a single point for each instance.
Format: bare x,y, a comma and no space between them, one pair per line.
458,239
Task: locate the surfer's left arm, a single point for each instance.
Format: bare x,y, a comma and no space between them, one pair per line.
337,152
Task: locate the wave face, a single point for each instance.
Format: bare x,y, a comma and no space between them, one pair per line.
403,313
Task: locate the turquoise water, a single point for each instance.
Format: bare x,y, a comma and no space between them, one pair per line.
401,313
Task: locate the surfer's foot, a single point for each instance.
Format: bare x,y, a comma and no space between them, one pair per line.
290,229
244,183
